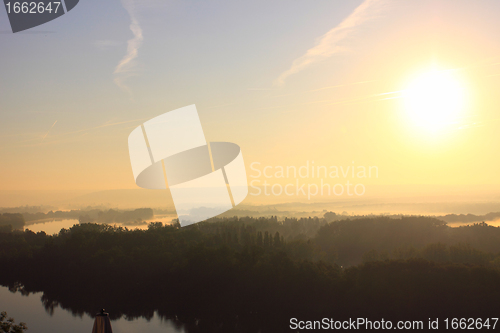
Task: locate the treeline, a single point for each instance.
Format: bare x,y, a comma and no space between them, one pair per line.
71,214
469,217
250,275
346,242
111,215
9,221
94,215
350,241
26,209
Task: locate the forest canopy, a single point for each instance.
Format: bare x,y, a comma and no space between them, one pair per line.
373,267
9,221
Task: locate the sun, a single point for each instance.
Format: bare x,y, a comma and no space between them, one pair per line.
434,100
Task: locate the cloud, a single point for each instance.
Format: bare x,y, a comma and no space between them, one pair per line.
127,65
66,137
328,44
49,130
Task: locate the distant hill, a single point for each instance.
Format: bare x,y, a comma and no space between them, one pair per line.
450,218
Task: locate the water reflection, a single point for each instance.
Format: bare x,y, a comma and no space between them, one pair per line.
44,315
495,223
74,312
51,227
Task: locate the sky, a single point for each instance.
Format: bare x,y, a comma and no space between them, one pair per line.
290,82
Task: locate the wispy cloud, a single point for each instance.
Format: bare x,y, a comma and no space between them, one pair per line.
341,85
127,65
328,44
68,136
49,130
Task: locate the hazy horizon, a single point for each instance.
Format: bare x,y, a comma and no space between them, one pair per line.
418,200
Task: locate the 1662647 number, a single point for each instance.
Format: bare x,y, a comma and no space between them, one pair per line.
470,323
32,7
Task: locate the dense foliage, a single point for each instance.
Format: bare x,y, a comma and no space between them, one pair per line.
8,325
93,215
111,215
9,221
257,273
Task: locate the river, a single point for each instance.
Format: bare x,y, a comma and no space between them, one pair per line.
30,310
54,226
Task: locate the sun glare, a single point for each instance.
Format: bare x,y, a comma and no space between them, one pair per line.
434,100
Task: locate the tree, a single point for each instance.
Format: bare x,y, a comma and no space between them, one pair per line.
277,240
7,325
15,220
330,216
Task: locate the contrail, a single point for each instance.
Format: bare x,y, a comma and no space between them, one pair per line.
49,130
78,131
328,44
126,66
341,85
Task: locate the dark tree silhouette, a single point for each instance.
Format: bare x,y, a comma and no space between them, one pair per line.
8,325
